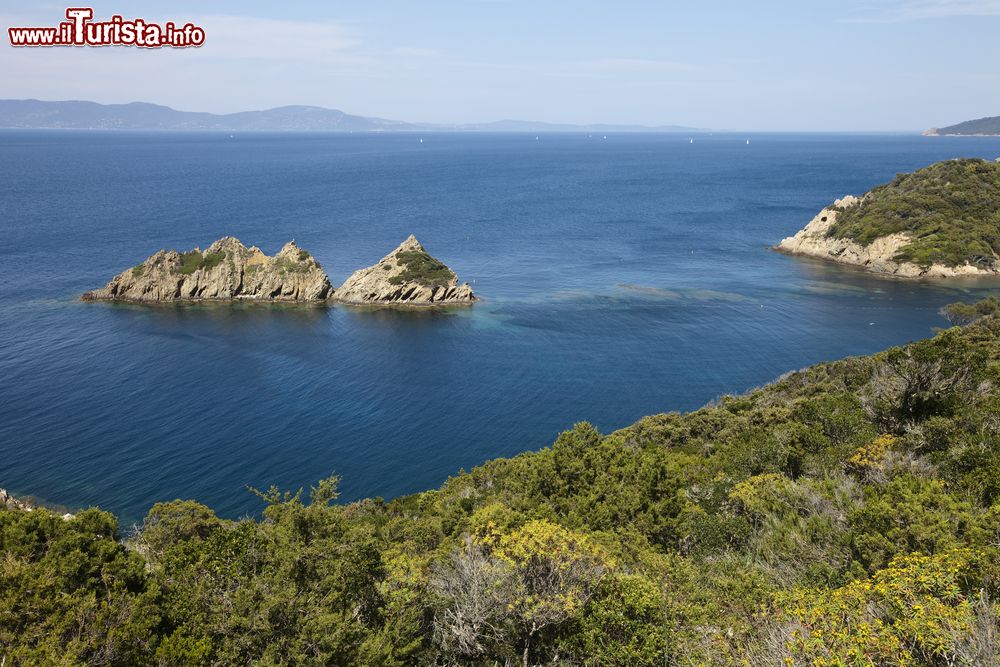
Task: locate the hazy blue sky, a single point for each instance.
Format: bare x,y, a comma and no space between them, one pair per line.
850,65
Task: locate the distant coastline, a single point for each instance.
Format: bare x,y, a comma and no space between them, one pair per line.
981,127
34,114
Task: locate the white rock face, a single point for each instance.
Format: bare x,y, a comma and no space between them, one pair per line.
877,257
401,278
226,271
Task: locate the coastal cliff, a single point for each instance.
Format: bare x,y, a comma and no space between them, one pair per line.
939,222
226,271
407,276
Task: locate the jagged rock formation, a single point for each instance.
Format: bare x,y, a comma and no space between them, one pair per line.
407,276
226,271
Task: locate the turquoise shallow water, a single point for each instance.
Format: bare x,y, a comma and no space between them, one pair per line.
620,277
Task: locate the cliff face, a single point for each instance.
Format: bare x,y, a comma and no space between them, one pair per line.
879,256
226,271
406,276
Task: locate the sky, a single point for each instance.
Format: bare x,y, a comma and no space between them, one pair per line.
853,65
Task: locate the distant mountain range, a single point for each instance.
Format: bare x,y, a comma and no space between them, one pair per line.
983,126
77,115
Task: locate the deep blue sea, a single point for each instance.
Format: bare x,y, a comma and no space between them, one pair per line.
620,277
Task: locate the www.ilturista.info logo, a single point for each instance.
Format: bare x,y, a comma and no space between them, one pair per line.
81,30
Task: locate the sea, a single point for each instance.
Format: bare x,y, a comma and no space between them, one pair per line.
620,275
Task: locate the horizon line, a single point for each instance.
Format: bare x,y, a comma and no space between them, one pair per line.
444,127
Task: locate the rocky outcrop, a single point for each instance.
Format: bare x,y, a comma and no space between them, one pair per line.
878,257
8,501
407,276
226,271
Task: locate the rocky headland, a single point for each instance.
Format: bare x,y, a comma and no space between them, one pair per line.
226,271
407,276
939,222
981,127
814,240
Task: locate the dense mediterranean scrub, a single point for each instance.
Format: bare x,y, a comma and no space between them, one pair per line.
949,210
966,313
419,267
846,515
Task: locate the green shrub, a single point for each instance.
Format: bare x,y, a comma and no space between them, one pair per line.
962,314
916,611
190,262
292,266
212,260
194,260
949,210
421,268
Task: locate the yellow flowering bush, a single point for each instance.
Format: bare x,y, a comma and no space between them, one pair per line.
870,458
912,612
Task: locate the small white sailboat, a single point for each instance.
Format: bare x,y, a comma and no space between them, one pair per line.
692,141
748,142
421,141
